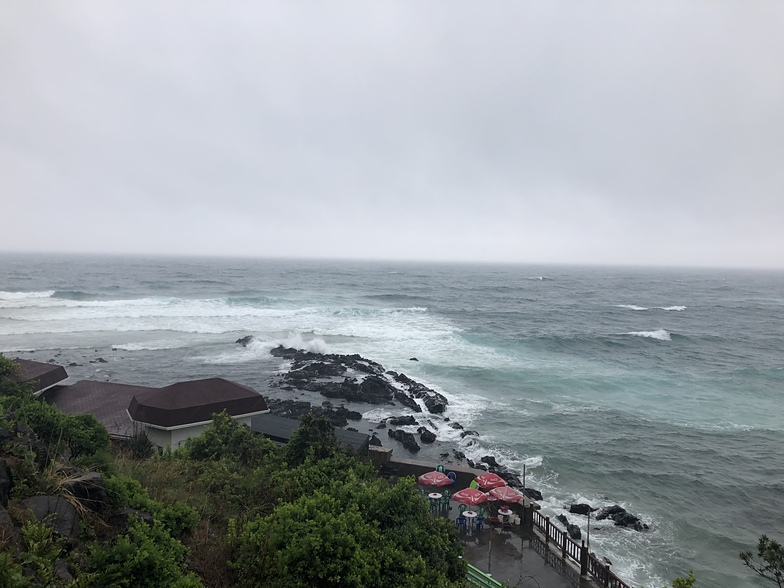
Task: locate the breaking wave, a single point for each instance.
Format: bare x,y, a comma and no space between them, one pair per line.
659,334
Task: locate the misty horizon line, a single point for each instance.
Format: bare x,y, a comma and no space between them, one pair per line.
387,260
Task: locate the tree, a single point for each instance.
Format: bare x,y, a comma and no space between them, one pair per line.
227,439
315,438
768,562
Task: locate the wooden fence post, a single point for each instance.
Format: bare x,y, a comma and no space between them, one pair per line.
583,560
563,544
547,529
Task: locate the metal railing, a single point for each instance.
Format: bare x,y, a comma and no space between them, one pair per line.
578,553
477,577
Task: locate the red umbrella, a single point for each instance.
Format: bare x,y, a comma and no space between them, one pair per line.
506,494
434,479
470,496
490,481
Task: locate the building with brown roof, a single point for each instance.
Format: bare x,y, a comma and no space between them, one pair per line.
172,414
41,375
168,415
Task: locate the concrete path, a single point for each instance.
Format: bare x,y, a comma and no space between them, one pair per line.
518,557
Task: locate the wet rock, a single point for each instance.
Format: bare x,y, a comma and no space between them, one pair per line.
621,517
246,340
381,426
465,434
581,509
296,409
402,421
459,455
572,530
490,460
413,359
407,401
455,425
374,440
533,494
426,436
405,439
99,360
316,372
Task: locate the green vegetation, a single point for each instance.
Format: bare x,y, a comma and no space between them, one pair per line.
228,509
768,563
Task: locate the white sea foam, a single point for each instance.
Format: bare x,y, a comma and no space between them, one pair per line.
152,345
675,308
14,299
631,306
297,341
659,334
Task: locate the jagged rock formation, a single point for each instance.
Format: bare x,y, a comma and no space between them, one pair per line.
354,378
622,517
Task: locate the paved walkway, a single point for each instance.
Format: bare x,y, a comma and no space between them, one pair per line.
518,557
515,554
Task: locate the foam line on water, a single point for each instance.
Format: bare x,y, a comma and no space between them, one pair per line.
659,334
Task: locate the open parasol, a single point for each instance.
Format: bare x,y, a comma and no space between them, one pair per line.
434,479
470,496
506,494
490,481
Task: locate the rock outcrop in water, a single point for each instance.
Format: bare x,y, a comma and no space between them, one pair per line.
296,409
581,509
622,517
572,530
355,379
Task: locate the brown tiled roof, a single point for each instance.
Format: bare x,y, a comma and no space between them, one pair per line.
42,374
193,402
106,401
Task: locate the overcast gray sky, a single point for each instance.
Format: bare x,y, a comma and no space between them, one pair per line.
627,132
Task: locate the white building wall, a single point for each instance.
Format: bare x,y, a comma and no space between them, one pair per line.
158,436
177,437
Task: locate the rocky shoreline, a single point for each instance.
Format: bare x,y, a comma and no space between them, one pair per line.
355,379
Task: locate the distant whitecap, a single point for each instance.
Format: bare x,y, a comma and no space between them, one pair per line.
659,334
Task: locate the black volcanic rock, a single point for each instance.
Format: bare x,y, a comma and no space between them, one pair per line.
402,421
572,530
245,341
407,401
426,435
363,380
490,460
621,517
533,494
581,509
406,439
296,409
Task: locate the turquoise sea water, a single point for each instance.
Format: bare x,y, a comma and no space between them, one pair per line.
660,390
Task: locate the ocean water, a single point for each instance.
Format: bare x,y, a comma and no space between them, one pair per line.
659,390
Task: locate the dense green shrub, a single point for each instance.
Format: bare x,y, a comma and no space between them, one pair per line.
143,556
312,542
313,438
78,435
229,439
